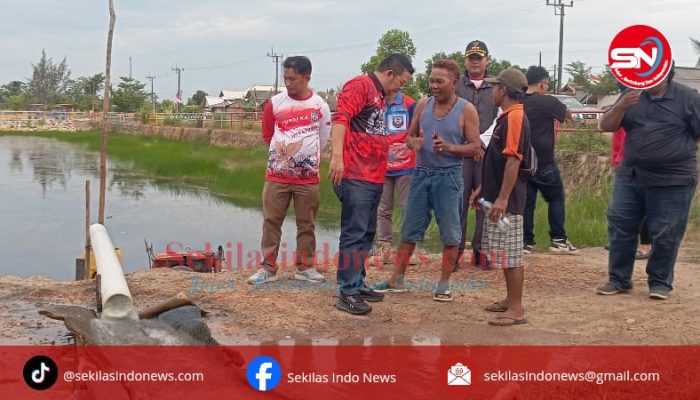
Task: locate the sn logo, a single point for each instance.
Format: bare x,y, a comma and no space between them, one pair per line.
632,57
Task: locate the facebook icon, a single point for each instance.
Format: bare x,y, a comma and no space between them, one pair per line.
264,373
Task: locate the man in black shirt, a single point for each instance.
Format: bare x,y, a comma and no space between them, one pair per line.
657,178
541,110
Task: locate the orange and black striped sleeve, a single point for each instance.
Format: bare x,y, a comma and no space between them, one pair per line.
516,114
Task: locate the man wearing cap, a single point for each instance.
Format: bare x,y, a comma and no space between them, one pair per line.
503,186
541,111
473,88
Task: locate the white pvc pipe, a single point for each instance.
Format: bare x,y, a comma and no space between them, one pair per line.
116,297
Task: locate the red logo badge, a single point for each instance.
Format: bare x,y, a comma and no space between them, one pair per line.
640,57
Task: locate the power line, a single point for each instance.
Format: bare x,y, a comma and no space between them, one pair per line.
276,58
559,7
153,97
178,98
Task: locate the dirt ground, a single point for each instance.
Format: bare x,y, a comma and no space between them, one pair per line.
560,304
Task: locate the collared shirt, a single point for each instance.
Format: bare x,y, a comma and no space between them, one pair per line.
481,98
361,110
661,142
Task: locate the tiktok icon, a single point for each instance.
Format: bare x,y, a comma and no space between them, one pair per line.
40,373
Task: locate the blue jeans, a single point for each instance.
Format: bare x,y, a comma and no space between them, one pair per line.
358,224
548,181
439,190
666,209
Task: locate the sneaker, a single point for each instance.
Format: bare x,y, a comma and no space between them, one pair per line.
353,304
609,288
528,249
367,294
309,274
659,293
562,245
262,276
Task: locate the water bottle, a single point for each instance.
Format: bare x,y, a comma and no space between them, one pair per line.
502,223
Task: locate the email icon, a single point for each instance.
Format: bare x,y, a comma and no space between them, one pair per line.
459,375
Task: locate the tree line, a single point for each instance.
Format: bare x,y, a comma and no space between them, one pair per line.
51,84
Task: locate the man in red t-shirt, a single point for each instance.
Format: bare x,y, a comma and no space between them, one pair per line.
358,165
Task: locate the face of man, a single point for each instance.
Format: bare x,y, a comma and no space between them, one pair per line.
442,84
297,84
498,94
476,65
396,81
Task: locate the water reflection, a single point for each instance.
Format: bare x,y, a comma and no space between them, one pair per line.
43,210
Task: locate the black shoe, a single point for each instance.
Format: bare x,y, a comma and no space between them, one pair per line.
353,304
367,294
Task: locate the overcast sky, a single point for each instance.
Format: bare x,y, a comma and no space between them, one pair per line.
222,44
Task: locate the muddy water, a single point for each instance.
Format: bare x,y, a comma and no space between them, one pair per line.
42,210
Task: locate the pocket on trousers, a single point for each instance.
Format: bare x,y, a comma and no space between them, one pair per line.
338,190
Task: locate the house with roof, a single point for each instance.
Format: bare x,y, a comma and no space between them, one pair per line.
688,76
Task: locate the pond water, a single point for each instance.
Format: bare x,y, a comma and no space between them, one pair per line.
42,211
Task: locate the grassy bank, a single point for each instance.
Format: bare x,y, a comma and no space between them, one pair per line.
237,175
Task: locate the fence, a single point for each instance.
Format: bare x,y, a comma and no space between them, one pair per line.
219,120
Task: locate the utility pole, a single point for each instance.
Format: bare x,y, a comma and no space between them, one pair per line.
540,59
130,75
153,98
178,98
559,7
276,59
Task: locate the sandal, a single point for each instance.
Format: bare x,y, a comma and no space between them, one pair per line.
445,296
496,307
641,255
507,321
383,287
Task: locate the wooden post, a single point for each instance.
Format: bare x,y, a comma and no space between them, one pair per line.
86,265
105,113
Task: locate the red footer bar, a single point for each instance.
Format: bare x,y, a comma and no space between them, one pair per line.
350,372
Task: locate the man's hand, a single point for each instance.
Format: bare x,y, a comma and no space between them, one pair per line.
479,157
474,197
417,141
439,145
629,99
498,210
337,167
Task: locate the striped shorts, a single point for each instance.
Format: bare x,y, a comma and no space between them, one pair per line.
504,248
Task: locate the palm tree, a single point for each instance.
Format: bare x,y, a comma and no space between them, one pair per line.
696,47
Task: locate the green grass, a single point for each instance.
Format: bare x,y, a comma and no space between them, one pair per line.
237,176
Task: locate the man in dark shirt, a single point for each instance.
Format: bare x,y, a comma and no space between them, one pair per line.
541,110
657,178
503,186
475,89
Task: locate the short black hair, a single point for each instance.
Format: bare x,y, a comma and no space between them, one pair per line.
397,63
536,74
300,64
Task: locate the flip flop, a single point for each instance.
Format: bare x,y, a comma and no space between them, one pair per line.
383,287
443,296
496,307
509,321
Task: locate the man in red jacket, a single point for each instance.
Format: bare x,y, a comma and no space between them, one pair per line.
358,166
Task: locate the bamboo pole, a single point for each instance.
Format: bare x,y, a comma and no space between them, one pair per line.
105,119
